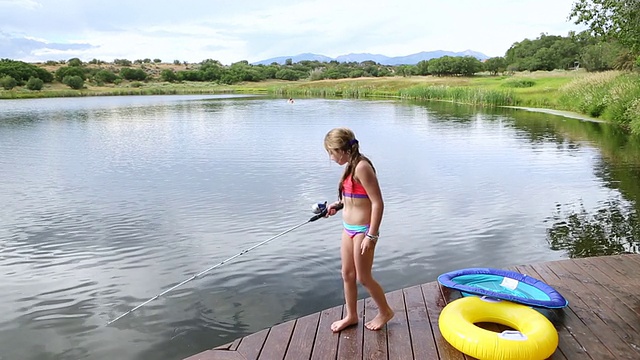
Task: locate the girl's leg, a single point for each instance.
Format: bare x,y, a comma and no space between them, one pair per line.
363,264
350,285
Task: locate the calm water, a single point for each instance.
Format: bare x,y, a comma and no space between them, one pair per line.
106,202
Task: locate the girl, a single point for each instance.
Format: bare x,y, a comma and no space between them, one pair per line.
360,195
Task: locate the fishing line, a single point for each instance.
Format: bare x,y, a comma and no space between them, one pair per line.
319,209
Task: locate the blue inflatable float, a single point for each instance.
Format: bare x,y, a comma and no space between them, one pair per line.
505,285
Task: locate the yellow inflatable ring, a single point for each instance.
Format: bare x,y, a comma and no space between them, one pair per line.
534,337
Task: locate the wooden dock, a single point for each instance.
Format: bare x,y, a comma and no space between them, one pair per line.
601,322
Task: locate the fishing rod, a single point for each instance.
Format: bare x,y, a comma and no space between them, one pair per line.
319,209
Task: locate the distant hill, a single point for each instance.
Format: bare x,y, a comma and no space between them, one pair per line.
381,59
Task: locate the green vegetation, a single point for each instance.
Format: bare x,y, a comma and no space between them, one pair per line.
617,19
542,72
612,95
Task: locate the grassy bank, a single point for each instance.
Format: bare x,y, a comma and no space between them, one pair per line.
613,96
526,89
126,88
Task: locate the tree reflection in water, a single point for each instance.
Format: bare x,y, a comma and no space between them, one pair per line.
611,229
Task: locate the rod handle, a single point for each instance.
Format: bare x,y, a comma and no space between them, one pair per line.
324,212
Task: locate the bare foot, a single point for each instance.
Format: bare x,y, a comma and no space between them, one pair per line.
346,322
378,322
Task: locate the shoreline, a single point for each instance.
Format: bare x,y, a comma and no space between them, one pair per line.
563,113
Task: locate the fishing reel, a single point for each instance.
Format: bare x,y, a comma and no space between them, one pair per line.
321,208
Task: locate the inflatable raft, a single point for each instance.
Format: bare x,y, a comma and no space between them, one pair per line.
505,285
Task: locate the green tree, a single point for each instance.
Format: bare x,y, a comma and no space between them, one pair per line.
404,70
105,76
8,83
168,75
74,62
422,67
73,81
65,71
190,75
496,65
599,57
288,74
122,62
616,18
35,83
21,71
133,74
468,65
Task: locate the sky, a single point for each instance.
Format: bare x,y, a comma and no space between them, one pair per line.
254,30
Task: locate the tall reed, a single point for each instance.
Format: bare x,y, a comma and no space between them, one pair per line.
612,95
463,95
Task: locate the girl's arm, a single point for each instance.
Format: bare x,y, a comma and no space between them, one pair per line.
369,180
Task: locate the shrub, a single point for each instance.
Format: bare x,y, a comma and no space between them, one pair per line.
288,74
8,83
65,71
74,62
35,83
73,81
105,76
21,71
133,74
519,83
168,75
122,62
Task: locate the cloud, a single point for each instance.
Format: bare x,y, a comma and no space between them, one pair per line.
32,49
234,30
25,4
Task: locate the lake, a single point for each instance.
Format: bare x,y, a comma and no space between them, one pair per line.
108,201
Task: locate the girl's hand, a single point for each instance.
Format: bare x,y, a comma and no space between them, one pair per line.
366,245
331,209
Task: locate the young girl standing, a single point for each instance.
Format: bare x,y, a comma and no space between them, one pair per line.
359,193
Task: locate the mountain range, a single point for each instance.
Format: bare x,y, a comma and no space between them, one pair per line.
380,59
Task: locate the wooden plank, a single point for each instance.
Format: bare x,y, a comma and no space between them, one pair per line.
620,267
576,320
398,337
605,275
632,257
223,347
564,320
234,345
351,338
568,346
608,307
593,313
217,355
422,341
277,341
435,302
374,345
601,322
251,345
303,338
326,346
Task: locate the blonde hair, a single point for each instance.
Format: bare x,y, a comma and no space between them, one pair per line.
343,139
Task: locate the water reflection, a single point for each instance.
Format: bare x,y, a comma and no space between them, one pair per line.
611,229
